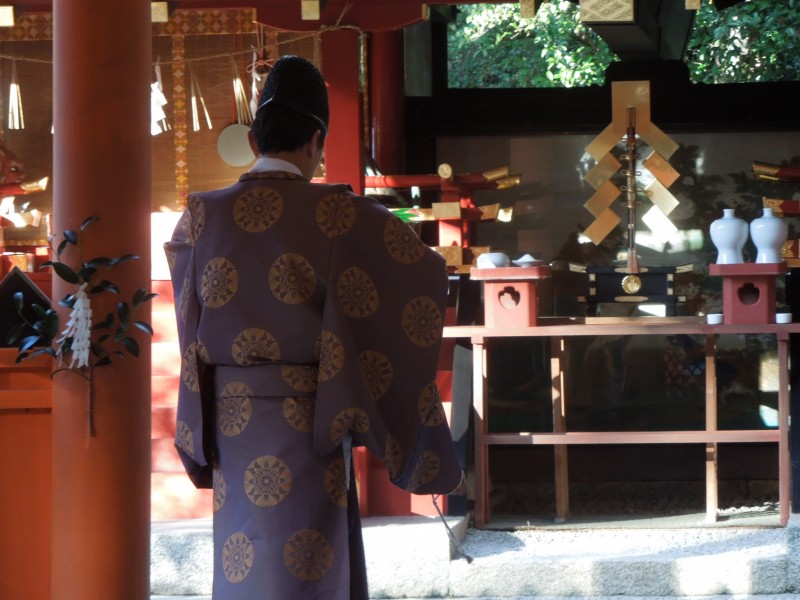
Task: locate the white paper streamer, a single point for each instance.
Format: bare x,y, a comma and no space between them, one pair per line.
158,118
16,118
197,94
243,114
79,328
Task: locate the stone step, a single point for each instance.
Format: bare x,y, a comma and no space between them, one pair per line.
411,557
718,597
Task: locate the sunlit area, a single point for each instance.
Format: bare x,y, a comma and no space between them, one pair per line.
493,46
752,41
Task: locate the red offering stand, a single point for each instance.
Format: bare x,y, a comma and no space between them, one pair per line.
748,291
509,294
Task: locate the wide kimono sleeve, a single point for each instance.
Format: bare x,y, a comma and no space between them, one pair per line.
379,348
193,433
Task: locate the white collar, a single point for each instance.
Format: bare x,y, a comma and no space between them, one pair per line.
266,163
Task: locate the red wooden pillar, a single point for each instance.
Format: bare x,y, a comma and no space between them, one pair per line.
341,67
101,115
387,96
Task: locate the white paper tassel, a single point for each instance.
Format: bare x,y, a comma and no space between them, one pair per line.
243,114
197,94
158,118
16,118
79,328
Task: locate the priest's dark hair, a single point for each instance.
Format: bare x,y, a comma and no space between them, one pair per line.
292,106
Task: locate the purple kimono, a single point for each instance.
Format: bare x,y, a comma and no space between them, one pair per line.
309,319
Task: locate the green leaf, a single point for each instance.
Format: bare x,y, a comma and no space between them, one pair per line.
40,310
51,322
87,221
100,261
127,257
131,345
71,237
59,250
123,312
13,334
86,272
104,286
18,301
28,342
66,345
106,323
66,273
144,326
106,360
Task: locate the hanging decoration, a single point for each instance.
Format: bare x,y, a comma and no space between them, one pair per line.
259,68
197,95
243,114
16,118
158,118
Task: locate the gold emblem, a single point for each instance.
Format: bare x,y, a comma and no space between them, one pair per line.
631,284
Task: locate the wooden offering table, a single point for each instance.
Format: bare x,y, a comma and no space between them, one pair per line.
558,330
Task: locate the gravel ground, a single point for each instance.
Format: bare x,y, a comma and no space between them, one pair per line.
503,546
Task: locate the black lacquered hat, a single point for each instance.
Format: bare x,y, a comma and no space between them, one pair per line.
295,83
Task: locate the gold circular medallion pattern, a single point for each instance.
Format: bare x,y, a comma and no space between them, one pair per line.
422,321
253,346
189,368
336,214
237,557
335,485
219,282
184,302
392,456
220,489
299,413
202,352
401,242
195,219
234,408
302,378
631,284
349,419
425,470
308,555
331,355
257,209
184,438
429,405
267,481
292,279
378,372
357,293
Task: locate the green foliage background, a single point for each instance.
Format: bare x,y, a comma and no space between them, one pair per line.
757,40
491,46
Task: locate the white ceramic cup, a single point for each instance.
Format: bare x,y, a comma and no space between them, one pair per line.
714,318
783,317
491,260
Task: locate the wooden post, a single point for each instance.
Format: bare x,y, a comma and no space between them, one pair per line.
341,67
387,94
712,487
101,116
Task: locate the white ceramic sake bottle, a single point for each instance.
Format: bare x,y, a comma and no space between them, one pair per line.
729,234
768,233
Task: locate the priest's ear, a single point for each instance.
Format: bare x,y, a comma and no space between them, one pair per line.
251,139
